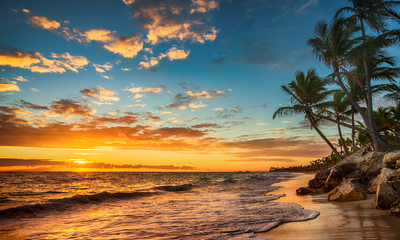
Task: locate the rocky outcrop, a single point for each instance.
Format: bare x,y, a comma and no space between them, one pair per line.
397,164
391,158
367,161
385,175
335,178
320,178
304,191
347,166
387,194
348,191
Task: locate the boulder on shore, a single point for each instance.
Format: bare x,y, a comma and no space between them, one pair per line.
348,191
385,175
304,191
387,194
320,178
348,166
367,161
391,158
335,178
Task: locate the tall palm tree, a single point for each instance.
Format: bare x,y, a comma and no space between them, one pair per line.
307,93
394,91
336,45
374,14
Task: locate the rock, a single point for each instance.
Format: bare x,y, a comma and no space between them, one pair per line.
356,175
347,166
367,161
397,164
395,208
319,179
387,193
385,175
391,157
335,178
348,191
304,191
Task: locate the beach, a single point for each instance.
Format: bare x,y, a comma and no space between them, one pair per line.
337,220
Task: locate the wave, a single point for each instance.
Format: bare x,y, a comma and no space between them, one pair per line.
35,210
179,188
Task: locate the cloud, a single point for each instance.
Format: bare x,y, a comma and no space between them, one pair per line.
172,54
206,125
68,107
165,22
310,2
145,89
6,87
228,112
102,68
35,61
209,94
21,79
128,47
101,93
43,22
34,89
203,5
128,1
32,105
100,35
182,101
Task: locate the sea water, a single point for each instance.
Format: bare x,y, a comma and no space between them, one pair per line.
132,205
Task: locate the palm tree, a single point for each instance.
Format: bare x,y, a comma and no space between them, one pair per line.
373,13
337,47
307,93
394,91
339,110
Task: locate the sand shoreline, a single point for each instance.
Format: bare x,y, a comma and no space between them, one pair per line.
337,220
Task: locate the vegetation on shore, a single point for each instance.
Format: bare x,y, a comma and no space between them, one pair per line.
354,46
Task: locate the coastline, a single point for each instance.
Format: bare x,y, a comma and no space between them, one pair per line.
337,220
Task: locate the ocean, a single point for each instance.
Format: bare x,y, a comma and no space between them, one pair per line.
142,205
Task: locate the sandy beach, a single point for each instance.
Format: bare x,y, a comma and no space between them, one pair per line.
337,220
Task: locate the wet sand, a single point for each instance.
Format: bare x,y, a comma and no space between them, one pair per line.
337,220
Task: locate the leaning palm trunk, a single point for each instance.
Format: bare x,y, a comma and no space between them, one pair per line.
323,137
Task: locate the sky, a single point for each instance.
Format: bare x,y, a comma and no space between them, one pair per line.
155,85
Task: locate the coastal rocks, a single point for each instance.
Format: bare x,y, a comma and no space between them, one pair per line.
335,178
319,179
348,166
367,161
304,191
397,164
391,158
348,191
395,208
387,194
385,175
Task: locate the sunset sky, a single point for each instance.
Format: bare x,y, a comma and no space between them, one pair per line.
145,85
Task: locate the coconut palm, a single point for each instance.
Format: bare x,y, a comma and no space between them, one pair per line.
307,93
374,14
394,91
336,45
339,109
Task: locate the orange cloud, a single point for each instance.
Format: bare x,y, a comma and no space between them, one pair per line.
5,87
203,5
43,22
68,107
128,47
35,61
101,93
100,35
172,54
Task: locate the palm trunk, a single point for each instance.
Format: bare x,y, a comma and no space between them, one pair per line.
342,140
352,129
323,137
373,129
